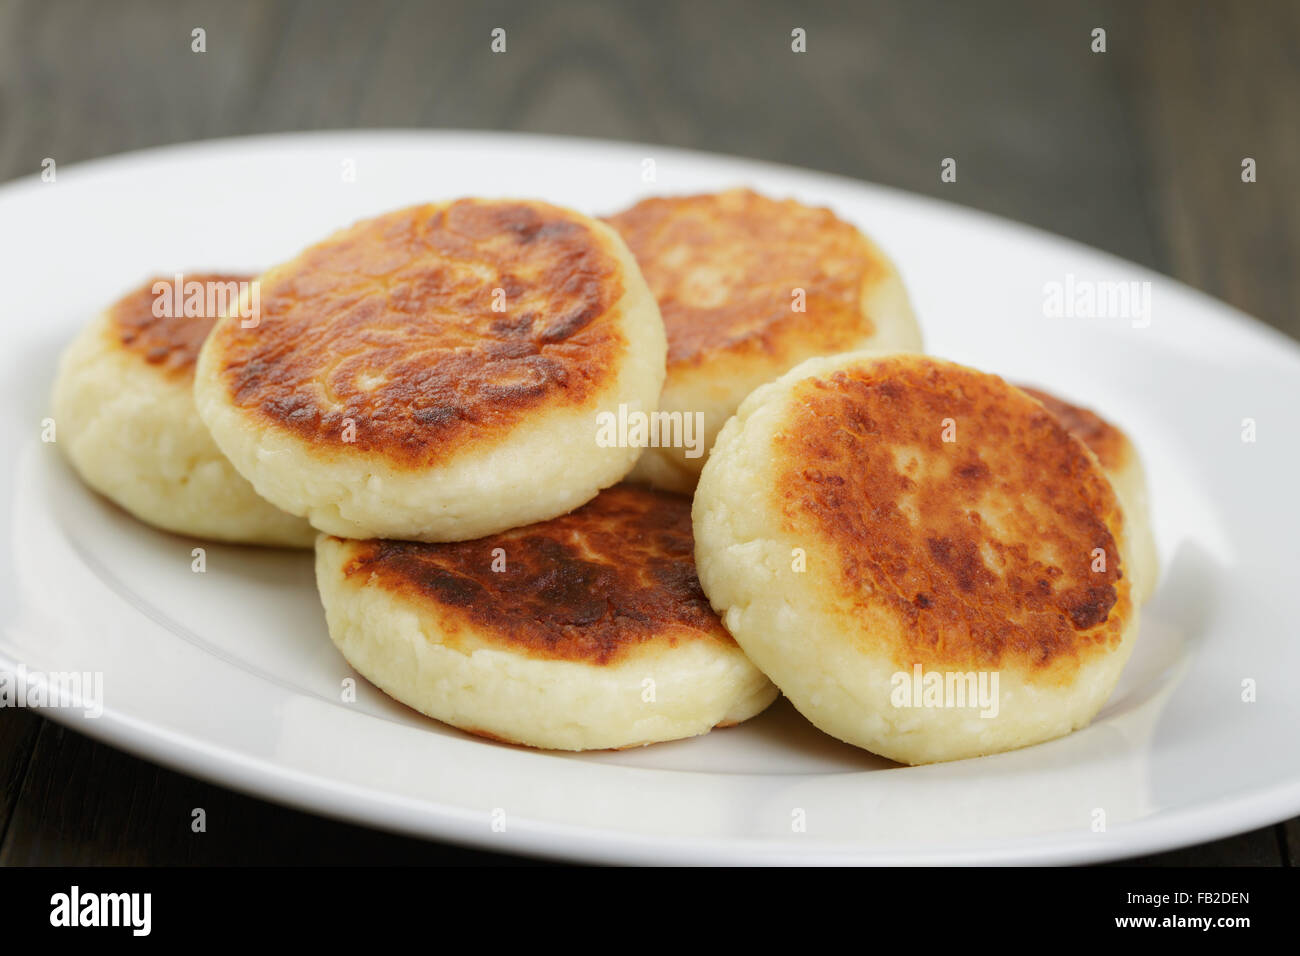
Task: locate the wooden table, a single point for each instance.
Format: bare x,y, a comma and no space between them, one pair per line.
1137,150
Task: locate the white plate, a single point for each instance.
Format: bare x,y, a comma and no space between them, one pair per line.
229,674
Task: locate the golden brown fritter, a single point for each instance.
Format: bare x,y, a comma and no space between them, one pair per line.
1106,441
983,547
431,329
169,342
616,574
724,266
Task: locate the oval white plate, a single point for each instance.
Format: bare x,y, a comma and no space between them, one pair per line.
229,674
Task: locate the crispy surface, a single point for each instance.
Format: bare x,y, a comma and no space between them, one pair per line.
723,267
616,574
1106,441
390,325
982,548
170,343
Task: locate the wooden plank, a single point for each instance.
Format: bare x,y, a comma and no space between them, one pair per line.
18,730
87,804
1136,151
1215,85
1257,848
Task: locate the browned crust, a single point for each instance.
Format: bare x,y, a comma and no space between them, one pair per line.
723,268
866,470
1107,442
591,586
168,342
390,326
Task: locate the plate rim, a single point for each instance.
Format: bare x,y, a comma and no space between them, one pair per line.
318,793
396,133
309,792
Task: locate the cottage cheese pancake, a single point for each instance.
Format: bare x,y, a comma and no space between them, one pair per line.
586,631
749,287
125,417
868,523
1123,466
436,373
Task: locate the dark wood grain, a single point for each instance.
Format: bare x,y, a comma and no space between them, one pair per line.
85,804
1262,847
18,732
1214,85
1136,151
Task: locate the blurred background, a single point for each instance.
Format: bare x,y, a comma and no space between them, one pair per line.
1137,150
